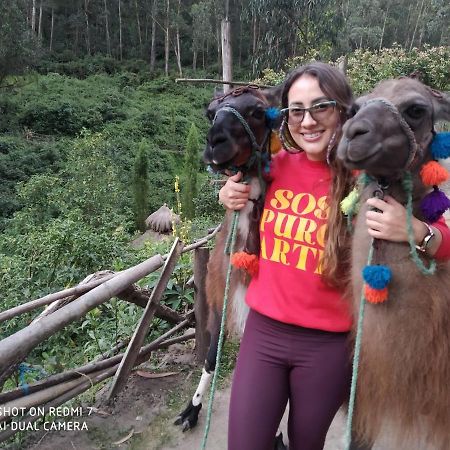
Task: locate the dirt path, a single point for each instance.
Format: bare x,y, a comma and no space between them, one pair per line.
142,416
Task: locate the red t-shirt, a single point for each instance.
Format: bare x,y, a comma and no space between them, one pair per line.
289,287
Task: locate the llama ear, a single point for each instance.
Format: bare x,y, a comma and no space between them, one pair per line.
441,104
273,94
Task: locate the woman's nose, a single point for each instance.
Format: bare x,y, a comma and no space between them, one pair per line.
308,120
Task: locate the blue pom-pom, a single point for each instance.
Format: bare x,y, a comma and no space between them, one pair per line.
440,145
272,115
377,277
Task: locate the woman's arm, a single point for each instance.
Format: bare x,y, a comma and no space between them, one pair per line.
391,224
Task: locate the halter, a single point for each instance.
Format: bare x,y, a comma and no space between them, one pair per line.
257,149
415,150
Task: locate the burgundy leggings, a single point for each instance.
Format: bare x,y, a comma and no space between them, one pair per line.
278,362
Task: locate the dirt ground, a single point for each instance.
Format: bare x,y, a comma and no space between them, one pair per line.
141,418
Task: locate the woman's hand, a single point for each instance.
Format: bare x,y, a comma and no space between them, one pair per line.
391,223
234,195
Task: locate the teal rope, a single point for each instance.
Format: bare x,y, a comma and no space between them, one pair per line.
222,330
359,332
407,186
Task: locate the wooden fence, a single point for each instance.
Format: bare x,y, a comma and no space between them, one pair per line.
70,305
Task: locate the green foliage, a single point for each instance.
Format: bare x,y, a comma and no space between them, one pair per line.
141,187
190,171
366,68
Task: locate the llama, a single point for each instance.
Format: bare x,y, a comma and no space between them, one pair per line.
240,138
404,364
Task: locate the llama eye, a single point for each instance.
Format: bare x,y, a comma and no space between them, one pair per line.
258,113
416,111
353,110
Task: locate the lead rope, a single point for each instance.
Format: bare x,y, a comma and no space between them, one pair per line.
231,240
359,332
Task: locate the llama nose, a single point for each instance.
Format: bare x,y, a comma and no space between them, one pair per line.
357,127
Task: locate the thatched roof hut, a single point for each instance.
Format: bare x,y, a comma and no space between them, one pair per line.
161,221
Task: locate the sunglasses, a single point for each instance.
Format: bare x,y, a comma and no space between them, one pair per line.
319,112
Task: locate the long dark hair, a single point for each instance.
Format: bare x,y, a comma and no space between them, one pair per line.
333,83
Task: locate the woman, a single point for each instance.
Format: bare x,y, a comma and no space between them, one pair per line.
295,342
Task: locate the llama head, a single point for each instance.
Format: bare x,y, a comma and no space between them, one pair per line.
392,127
239,126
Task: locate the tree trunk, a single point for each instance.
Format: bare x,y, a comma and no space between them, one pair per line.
86,16
384,26
166,42
177,45
153,44
138,24
194,59
40,23
415,27
33,15
51,29
120,32
108,38
226,54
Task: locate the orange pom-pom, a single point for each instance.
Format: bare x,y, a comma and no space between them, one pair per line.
245,261
432,173
375,295
275,143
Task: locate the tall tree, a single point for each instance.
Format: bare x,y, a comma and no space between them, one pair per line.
166,39
108,37
153,39
141,187
190,171
17,44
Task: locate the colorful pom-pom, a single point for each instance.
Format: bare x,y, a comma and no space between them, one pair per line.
375,295
246,261
440,145
432,173
377,277
434,205
272,116
350,204
275,143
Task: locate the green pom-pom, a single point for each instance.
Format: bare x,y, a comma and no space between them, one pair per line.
350,204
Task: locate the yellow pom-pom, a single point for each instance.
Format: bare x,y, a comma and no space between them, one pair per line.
350,203
375,295
432,174
245,261
275,143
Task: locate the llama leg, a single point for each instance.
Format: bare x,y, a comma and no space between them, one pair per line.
189,417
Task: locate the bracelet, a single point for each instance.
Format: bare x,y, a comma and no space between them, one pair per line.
422,247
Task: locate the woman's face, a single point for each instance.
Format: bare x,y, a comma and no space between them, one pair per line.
312,134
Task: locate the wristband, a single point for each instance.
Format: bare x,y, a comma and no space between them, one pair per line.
422,247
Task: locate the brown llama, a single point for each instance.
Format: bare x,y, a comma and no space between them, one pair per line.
404,367
239,139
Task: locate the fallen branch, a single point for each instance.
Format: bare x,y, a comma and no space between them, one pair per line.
16,347
33,304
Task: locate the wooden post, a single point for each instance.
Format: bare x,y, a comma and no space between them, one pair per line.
226,54
137,340
202,337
